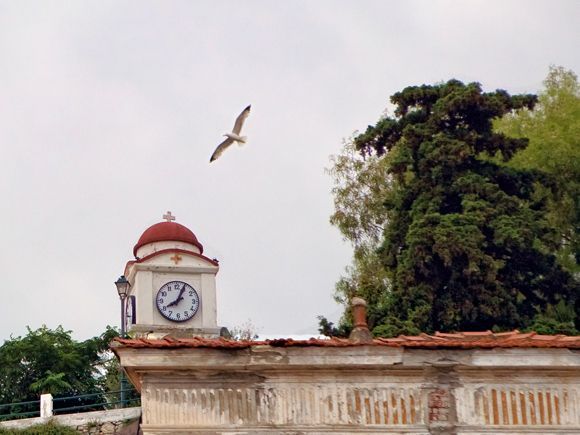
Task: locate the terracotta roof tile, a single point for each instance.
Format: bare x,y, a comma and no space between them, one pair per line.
431,337
390,340
414,338
546,337
447,334
477,333
508,333
461,340
517,336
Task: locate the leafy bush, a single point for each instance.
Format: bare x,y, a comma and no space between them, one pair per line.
50,428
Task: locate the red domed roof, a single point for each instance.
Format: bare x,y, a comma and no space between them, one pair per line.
165,232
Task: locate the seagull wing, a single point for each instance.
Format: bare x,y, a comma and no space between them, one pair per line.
220,149
240,120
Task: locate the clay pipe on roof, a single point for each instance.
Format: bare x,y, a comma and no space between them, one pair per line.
360,333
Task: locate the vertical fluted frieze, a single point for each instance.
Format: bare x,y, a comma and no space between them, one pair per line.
519,405
296,404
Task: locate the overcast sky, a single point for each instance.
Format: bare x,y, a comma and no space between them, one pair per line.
110,110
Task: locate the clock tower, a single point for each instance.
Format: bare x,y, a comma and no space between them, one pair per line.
172,284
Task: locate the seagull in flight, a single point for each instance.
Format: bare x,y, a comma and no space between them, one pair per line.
234,136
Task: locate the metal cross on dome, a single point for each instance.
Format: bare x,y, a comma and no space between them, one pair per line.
168,217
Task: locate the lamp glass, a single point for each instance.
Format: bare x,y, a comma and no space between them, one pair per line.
122,286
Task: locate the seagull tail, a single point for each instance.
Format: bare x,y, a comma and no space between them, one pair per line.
242,140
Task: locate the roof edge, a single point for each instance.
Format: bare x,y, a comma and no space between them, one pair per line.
213,262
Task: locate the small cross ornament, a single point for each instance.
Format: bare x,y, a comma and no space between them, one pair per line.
176,258
168,217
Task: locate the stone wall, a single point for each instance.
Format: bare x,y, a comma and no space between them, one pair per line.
97,422
366,389
388,402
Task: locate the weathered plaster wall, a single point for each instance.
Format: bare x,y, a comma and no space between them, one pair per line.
367,389
97,422
386,401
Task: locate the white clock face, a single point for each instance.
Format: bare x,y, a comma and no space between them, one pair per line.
177,301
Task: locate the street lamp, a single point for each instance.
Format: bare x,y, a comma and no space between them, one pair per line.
123,288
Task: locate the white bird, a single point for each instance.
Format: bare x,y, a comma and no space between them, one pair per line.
234,136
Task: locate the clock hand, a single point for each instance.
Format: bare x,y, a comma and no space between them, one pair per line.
178,299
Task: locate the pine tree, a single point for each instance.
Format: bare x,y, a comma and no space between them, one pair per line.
467,245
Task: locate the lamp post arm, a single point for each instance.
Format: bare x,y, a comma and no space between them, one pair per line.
123,317
123,334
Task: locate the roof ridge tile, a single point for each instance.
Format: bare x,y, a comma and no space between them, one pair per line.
431,337
483,339
570,338
544,337
448,334
507,333
412,338
519,336
487,333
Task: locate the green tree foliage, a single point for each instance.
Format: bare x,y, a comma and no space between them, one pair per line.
553,128
361,184
111,381
50,361
51,383
465,242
